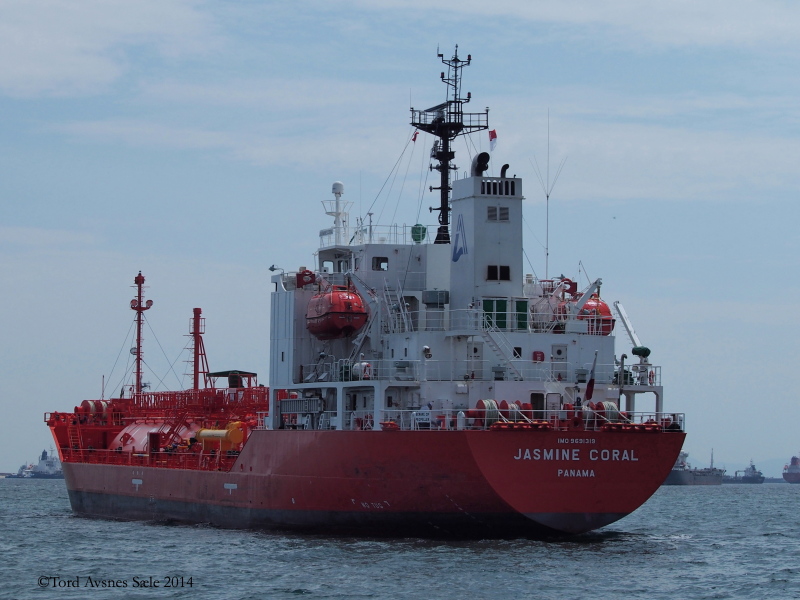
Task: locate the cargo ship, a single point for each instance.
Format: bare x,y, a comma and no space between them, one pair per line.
749,474
683,473
420,383
791,472
48,467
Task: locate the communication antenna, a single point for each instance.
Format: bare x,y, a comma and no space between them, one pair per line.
447,121
547,188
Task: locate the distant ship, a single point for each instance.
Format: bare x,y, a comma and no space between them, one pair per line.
748,475
23,472
791,472
683,474
48,467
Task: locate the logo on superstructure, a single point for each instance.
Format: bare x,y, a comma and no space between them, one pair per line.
460,241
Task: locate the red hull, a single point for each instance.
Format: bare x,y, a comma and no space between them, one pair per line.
792,477
465,483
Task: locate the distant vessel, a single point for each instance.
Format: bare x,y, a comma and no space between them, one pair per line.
748,475
23,472
791,472
683,474
49,467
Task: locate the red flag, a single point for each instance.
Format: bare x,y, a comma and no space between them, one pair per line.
492,139
590,385
414,137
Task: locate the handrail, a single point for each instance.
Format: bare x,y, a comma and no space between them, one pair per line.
203,461
565,419
406,369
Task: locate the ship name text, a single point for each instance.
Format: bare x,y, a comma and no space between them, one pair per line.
575,454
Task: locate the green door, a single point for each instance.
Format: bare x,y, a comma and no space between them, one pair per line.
496,312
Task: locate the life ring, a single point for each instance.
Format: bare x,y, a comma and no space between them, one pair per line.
651,377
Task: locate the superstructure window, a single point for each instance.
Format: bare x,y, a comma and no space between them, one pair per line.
497,213
498,273
380,263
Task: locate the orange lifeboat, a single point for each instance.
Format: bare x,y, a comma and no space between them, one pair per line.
595,311
598,314
336,312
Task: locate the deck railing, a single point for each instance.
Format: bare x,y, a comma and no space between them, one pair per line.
206,461
567,419
404,369
489,420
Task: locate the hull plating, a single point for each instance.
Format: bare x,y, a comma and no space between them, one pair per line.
459,483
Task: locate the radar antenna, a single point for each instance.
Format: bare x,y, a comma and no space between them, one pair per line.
447,121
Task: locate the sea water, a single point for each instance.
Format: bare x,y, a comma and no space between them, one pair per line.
729,541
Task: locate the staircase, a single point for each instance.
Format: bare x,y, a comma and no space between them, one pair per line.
499,344
398,319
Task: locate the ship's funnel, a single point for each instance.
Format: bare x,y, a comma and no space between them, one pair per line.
480,164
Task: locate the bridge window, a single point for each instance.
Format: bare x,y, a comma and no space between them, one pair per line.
498,273
380,263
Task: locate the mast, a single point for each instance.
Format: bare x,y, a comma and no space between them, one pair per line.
447,121
139,306
200,362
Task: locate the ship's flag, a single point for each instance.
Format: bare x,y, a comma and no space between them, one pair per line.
414,137
492,139
590,385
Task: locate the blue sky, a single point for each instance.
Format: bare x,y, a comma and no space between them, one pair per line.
194,140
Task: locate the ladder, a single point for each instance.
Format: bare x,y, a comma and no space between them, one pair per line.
75,442
166,438
398,319
500,346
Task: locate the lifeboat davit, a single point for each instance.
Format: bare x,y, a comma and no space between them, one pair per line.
336,312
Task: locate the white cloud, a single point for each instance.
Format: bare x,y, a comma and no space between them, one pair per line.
727,23
150,133
63,48
607,158
621,147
